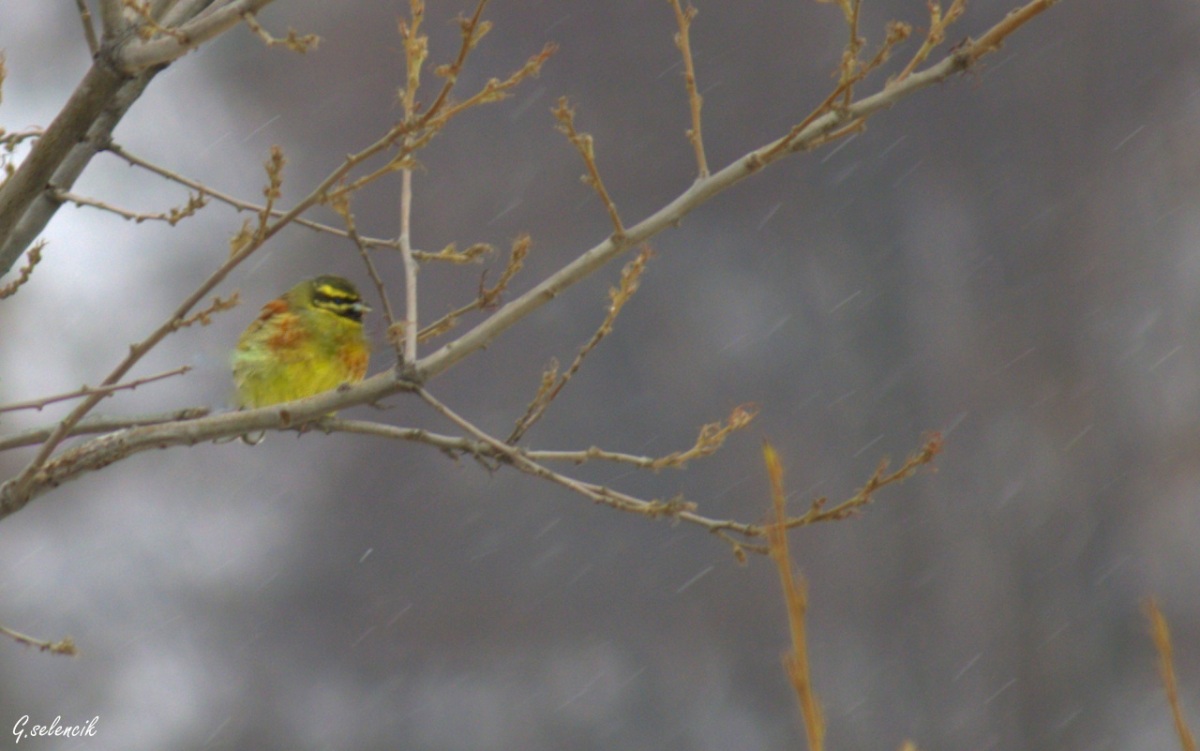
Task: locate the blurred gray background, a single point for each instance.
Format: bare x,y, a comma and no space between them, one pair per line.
1012,257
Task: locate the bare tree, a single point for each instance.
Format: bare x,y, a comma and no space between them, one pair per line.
137,40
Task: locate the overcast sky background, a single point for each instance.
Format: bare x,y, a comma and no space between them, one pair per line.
1012,257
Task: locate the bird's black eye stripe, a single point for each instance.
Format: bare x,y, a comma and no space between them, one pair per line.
338,302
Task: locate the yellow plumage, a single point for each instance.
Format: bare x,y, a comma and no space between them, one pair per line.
308,341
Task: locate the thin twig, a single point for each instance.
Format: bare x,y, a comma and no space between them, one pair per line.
938,23
472,30
34,257
675,508
64,646
850,60
9,140
584,145
273,191
453,446
240,205
42,403
293,41
683,42
89,30
172,216
416,48
795,595
432,122
994,37
1161,634
494,90
712,437
487,296
552,383
411,319
204,316
866,494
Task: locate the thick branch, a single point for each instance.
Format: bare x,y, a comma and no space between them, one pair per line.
86,122
60,155
140,55
104,450
93,424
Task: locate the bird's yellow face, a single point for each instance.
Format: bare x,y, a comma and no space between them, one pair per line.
308,341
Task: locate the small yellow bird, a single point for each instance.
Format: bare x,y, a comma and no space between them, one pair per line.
308,341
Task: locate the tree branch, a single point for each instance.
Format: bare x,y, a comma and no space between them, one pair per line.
89,31
45,401
1161,634
112,20
66,146
93,424
62,647
139,55
683,18
102,451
